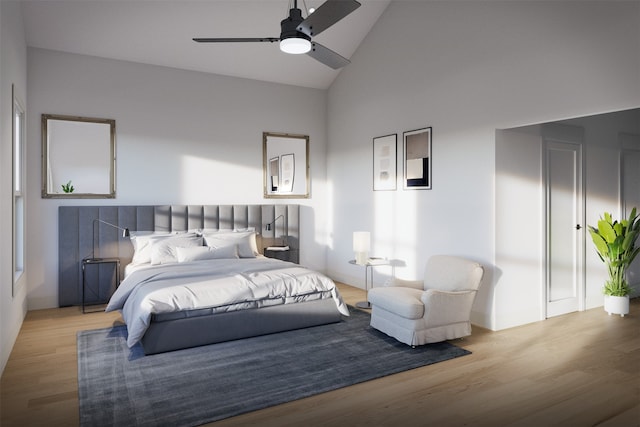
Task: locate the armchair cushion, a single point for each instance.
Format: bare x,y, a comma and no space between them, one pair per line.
404,302
395,282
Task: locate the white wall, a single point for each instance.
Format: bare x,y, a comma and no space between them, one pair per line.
13,70
466,69
182,138
519,226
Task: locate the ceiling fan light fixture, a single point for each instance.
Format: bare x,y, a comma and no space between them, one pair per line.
295,45
296,31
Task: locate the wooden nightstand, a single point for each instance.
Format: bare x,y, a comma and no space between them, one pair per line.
91,282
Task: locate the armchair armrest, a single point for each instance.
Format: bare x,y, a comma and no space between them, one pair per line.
445,307
395,282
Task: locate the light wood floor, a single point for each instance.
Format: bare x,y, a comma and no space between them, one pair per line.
581,369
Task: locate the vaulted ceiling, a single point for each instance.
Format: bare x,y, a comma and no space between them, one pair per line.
160,32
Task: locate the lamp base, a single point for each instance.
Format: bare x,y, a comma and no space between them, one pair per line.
362,258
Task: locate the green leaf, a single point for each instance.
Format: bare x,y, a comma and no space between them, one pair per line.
606,231
618,228
629,240
616,247
599,242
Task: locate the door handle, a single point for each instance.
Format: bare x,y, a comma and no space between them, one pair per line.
578,227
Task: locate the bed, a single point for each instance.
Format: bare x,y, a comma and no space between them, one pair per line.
203,279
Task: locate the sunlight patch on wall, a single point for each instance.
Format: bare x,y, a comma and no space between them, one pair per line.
395,233
205,180
325,236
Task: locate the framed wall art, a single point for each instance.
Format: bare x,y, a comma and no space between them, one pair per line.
385,162
417,159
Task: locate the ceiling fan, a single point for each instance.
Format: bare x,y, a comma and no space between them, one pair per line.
296,32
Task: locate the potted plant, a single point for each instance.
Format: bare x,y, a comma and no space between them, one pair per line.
615,243
68,188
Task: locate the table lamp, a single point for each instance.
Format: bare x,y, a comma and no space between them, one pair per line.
361,246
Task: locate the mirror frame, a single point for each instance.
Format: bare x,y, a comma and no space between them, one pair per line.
298,174
111,194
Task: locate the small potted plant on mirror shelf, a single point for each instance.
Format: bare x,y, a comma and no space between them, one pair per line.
615,243
68,188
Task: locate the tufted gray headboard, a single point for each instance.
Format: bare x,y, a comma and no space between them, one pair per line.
79,233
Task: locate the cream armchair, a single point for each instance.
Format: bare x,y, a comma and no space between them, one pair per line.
435,309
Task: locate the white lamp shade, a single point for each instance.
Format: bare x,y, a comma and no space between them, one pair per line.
295,45
361,245
361,241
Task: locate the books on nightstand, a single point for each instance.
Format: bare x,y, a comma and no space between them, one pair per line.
278,248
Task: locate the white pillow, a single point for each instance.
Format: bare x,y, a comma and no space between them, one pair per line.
164,251
203,231
246,242
225,230
200,253
143,241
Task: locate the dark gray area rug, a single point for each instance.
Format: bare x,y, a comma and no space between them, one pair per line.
119,386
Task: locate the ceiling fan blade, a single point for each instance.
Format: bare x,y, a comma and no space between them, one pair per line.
326,15
236,40
327,56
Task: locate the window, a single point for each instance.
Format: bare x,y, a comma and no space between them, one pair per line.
19,125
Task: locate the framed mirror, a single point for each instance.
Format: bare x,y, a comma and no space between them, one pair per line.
78,157
286,165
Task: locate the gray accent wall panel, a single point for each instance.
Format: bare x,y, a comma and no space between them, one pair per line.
211,218
80,236
225,215
162,218
68,256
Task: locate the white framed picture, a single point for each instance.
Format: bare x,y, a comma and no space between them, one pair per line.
385,162
417,159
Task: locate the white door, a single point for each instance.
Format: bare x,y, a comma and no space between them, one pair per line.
564,231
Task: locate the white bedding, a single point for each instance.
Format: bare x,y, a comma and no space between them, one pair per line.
228,284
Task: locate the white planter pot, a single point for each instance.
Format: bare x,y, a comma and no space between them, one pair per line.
616,305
